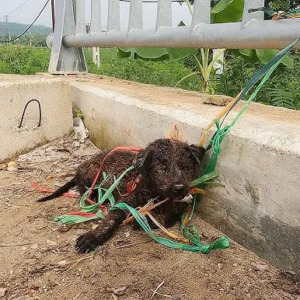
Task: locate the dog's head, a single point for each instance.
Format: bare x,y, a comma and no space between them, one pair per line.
169,166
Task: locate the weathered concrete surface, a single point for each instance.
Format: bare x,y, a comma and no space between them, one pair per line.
260,163
56,106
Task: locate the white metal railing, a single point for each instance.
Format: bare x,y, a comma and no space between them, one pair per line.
70,31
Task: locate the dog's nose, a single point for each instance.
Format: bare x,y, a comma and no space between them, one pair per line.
178,188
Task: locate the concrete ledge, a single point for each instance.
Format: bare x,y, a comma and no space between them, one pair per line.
260,163
56,106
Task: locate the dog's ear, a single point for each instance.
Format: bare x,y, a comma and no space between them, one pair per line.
143,160
198,152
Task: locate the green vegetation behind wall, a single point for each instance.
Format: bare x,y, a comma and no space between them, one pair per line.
282,90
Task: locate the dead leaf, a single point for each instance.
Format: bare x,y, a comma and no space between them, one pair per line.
3,166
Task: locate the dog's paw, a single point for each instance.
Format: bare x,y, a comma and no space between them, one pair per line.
87,242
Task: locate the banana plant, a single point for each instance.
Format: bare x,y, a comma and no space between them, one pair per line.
205,68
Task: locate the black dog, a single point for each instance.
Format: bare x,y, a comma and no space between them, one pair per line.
166,168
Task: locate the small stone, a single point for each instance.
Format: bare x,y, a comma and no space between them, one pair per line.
12,164
12,169
260,267
220,266
218,100
235,265
34,246
51,243
62,263
3,292
76,144
118,291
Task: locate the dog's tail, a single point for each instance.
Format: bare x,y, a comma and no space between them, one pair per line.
65,188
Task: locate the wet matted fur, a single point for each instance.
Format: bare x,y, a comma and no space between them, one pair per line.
166,167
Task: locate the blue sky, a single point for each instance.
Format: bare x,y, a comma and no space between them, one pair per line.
30,9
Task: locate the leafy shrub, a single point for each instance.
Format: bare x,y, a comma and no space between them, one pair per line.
163,73
282,88
15,59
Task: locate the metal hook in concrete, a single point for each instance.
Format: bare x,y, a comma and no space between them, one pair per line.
40,112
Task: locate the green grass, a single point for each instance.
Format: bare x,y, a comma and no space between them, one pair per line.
282,89
163,73
15,59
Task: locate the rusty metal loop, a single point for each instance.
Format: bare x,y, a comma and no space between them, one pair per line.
40,112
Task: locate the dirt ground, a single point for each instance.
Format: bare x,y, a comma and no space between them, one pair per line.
38,259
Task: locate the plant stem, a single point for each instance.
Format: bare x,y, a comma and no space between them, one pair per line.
189,6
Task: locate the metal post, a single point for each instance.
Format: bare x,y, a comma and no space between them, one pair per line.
96,25
113,21
135,15
164,14
201,12
64,60
259,15
79,8
96,56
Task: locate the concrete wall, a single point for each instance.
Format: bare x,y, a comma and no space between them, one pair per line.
260,163
56,106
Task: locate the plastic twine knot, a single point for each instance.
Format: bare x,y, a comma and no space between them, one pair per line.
220,243
219,136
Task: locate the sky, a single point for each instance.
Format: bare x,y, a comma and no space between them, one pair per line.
27,12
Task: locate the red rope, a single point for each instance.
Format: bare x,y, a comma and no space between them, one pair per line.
135,149
36,187
130,187
82,214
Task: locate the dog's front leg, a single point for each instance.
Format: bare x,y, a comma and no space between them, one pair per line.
89,241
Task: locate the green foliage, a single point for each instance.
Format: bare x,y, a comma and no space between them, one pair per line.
263,55
279,5
15,59
16,29
163,73
282,98
282,90
227,11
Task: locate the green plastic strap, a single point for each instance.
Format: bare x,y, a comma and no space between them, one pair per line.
220,243
72,219
107,195
204,178
276,59
221,133
266,71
